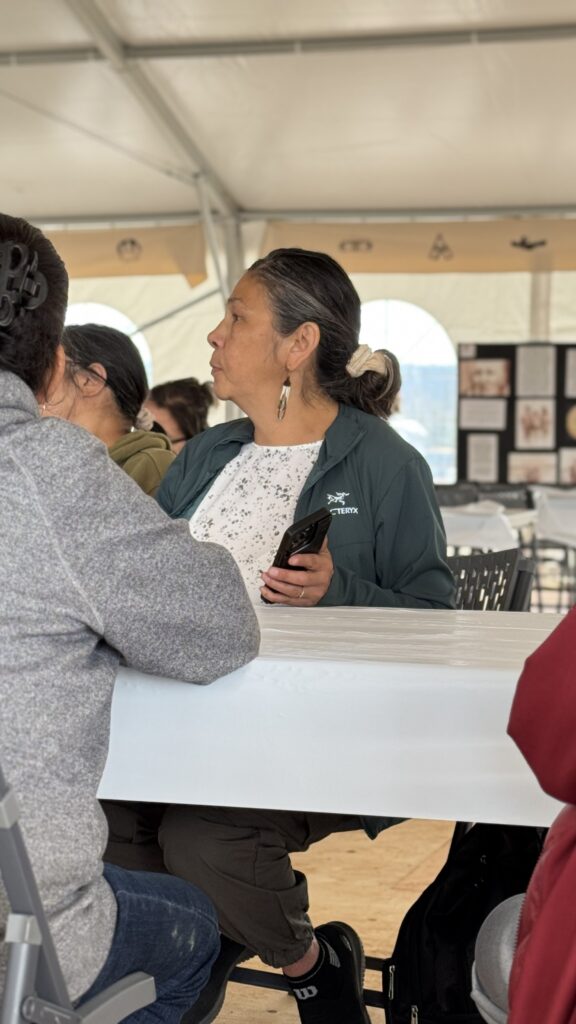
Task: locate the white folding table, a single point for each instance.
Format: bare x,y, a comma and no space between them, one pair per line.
485,525
371,711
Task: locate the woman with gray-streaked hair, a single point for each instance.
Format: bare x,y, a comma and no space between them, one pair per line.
316,402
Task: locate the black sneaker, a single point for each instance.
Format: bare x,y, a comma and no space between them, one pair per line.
209,1002
332,992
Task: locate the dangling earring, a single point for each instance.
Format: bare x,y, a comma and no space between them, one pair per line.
283,400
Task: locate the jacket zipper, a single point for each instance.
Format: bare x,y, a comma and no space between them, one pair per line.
391,973
413,1015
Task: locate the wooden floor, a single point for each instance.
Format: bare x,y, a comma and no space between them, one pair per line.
368,884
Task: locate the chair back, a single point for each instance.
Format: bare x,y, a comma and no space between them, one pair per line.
461,493
556,507
34,988
496,581
508,495
46,979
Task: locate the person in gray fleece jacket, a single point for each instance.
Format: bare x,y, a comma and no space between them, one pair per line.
93,572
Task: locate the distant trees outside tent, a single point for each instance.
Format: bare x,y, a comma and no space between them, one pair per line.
427,416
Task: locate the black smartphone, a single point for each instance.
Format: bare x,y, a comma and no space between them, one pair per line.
304,537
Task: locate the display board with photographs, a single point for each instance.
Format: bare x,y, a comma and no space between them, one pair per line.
517,413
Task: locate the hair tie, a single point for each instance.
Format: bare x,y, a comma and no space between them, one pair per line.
22,286
364,358
144,419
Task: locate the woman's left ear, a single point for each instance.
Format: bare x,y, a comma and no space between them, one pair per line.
304,343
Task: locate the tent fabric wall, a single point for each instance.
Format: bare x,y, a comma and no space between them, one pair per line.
471,307
130,251
563,306
436,247
178,344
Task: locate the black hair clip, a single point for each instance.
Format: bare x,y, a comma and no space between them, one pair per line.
22,285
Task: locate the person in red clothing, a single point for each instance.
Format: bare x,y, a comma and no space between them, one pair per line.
543,725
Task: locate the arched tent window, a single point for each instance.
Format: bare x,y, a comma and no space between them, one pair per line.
427,413
98,313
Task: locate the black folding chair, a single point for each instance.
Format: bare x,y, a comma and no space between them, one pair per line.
509,495
494,581
34,988
451,495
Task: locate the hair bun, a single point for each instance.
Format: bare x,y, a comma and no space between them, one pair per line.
364,358
144,419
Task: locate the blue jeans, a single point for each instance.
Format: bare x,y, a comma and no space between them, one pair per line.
166,927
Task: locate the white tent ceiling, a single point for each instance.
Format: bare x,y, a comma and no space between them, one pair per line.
110,108
143,112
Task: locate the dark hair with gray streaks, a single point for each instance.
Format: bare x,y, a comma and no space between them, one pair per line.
304,286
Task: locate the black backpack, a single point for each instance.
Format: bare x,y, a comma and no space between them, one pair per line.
427,980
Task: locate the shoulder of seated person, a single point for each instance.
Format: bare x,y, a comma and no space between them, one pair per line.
62,434
380,432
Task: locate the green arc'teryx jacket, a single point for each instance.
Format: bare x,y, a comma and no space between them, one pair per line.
387,539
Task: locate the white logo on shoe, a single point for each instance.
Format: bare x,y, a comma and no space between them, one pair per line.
306,993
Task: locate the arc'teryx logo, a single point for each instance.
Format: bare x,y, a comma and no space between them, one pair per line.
338,500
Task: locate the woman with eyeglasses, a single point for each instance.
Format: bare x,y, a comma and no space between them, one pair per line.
180,408
104,391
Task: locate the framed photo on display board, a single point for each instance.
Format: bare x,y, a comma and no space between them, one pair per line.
484,377
517,413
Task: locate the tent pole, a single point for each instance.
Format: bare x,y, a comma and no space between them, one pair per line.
232,410
191,50
210,233
147,94
235,258
175,311
540,295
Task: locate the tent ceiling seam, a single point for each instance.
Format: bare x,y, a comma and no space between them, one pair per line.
149,97
316,216
187,177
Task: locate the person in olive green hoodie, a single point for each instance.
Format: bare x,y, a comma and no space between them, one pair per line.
105,393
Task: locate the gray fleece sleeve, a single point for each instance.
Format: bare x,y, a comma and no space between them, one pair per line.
170,605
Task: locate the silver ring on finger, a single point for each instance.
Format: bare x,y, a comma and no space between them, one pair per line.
301,594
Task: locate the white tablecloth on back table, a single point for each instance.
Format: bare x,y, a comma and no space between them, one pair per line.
373,711
474,526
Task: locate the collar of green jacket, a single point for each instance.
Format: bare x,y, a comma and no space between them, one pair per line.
136,442
387,539
207,454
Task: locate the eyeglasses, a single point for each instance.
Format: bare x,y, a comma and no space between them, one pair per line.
75,367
